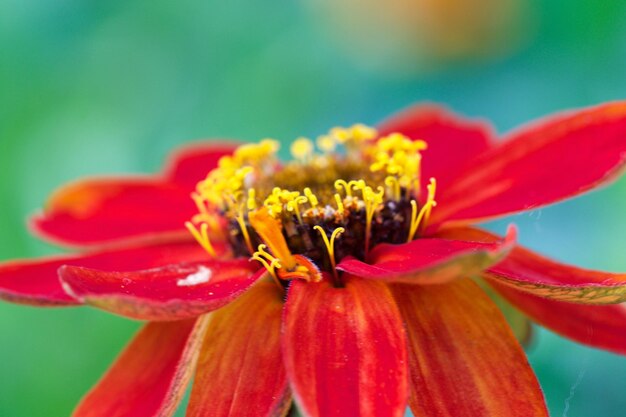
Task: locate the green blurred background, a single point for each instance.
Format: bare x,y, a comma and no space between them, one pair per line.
89,87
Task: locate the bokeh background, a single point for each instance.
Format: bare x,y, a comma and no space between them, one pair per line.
91,88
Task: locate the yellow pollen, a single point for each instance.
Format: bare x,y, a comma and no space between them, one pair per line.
330,245
361,132
398,156
202,236
326,143
256,153
302,149
339,134
420,219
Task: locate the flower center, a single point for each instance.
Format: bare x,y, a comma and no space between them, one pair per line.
300,217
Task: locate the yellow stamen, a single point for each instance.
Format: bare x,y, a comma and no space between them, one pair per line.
268,261
251,203
420,219
339,184
330,245
311,197
202,236
241,221
372,199
302,268
200,203
338,200
270,230
393,183
294,205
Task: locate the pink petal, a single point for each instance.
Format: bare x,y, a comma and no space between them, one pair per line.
345,349
601,326
464,360
149,378
452,140
37,282
542,163
429,260
172,292
105,210
191,163
240,371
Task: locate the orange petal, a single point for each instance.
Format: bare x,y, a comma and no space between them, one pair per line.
464,360
149,377
345,349
240,371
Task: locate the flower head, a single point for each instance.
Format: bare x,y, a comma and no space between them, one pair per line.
299,218
346,281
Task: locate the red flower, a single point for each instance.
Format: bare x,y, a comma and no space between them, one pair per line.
368,286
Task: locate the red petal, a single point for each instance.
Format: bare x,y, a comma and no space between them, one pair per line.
172,292
37,282
452,140
429,260
149,377
240,371
594,325
190,164
542,163
530,272
99,211
540,276
464,359
519,322
345,349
